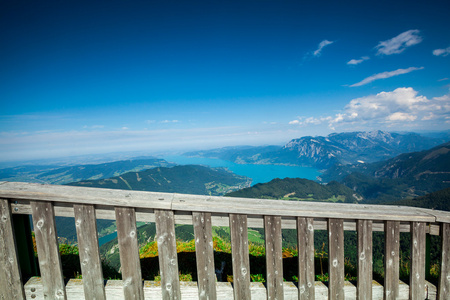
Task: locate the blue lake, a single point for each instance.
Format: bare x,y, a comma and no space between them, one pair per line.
259,173
107,238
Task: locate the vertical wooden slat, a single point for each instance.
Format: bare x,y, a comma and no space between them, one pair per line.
391,259
305,236
129,253
204,252
240,258
91,265
336,259
364,284
444,276
48,250
274,257
10,277
167,254
417,274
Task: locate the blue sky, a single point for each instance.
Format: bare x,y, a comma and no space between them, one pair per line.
80,77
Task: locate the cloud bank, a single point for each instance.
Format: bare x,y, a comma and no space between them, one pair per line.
385,75
401,109
399,43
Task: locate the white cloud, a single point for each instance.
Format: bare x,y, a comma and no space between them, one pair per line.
170,121
399,106
357,61
385,75
402,109
399,43
443,52
322,44
443,79
303,121
401,116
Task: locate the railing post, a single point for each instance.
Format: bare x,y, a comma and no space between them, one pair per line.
417,274
129,253
274,257
364,284
167,254
91,265
305,237
336,259
391,259
240,258
204,253
444,276
10,277
48,250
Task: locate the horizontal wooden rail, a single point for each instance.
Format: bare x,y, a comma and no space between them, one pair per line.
44,202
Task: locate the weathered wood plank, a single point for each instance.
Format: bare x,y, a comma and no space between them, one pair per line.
10,276
167,254
85,195
240,256
336,259
444,276
365,261
391,260
189,291
204,252
129,253
305,238
274,257
91,265
293,208
218,219
48,250
138,199
417,274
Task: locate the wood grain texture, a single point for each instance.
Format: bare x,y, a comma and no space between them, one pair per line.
444,276
10,277
240,258
91,265
305,237
167,254
336,259
129,253
86,195
391,260
181,202
274,257
48,250
365,261
204,252
417,274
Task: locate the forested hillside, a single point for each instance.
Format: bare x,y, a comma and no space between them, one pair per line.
406,176
299,189
189,179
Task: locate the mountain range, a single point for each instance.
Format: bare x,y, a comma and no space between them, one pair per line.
403,177
324,152
55,174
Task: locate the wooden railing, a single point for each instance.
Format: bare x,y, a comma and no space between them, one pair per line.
87,205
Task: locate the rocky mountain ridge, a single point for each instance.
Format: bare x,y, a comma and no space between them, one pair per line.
324,152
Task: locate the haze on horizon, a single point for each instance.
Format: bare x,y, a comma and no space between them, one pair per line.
108,76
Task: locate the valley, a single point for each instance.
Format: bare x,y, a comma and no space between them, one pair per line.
356,168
